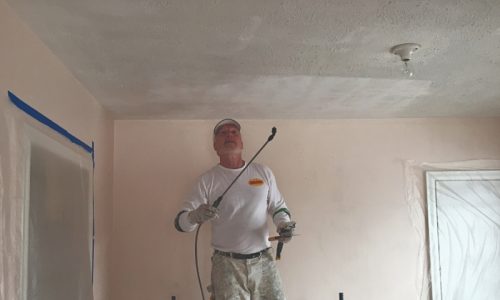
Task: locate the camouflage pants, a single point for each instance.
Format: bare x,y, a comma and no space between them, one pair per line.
246,279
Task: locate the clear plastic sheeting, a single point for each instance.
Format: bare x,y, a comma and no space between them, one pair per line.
457,222
11,219
45,212
464,234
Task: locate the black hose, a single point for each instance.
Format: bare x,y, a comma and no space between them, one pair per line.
196,261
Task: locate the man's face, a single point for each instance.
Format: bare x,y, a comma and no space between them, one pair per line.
227,140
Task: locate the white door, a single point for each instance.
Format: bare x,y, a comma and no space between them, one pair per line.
464,234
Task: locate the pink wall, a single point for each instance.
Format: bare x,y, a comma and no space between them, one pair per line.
34,74
344,181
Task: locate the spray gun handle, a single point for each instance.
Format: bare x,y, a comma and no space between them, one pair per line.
279,248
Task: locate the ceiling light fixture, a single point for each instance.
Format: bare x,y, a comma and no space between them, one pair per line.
405,51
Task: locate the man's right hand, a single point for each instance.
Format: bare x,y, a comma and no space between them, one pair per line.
203,213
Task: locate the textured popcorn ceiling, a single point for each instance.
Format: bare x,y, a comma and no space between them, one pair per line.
203,59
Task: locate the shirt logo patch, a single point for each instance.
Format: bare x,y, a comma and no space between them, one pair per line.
255,182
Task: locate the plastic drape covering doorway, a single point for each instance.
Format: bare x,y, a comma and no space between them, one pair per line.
464,234
45,211
416,197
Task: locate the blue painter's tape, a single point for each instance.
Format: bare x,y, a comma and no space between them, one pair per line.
44,120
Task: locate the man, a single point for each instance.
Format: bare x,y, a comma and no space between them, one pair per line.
242,263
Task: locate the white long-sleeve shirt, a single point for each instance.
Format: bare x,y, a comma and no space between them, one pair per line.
242,223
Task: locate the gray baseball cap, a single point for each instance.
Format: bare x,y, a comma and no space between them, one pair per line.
226,122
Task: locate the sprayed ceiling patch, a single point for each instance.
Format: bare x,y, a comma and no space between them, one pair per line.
293,96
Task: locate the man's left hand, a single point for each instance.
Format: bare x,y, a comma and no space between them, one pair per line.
285,230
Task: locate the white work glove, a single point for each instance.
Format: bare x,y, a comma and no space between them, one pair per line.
285,230
203,213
